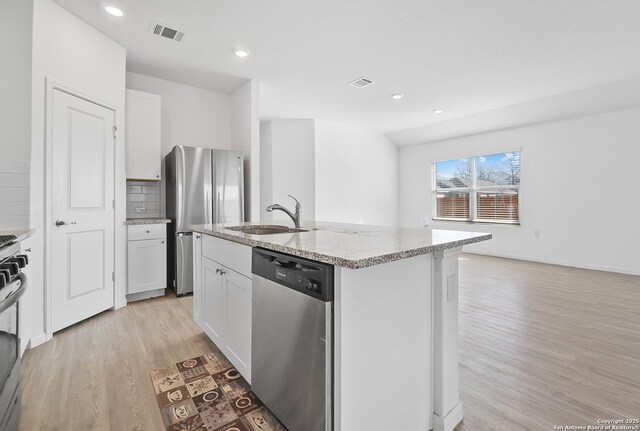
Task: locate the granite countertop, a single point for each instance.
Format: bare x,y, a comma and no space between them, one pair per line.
21,234
135,221
348,245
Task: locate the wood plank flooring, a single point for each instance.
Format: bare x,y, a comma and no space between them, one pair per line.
95,375
544,345
541,345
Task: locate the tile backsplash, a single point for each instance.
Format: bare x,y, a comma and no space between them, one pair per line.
14,194
143,199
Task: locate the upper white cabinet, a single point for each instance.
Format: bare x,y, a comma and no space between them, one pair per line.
143,115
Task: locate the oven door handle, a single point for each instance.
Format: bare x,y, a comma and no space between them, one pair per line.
10,300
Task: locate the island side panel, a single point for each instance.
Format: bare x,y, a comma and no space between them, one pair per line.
448,412
382,358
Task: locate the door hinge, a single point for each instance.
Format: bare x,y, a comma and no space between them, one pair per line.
115,129
113,277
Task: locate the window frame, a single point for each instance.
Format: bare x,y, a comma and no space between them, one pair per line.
473,192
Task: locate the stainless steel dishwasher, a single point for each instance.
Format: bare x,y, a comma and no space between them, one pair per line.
292,339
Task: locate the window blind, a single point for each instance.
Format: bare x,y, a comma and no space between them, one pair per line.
483,188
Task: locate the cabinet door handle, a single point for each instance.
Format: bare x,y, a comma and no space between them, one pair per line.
161,242
197,236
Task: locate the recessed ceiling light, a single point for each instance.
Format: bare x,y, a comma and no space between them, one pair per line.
438,111
241,53
112,10
397,96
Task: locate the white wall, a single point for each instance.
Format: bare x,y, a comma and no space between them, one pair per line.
15,112
73,54
287,153
356,175
245,137
578,190
190,116
15,86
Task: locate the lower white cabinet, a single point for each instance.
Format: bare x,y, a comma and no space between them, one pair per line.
146,261
222,305
212,301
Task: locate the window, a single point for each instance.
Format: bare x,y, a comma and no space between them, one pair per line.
478,189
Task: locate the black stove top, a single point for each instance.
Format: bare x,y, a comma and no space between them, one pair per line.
7,239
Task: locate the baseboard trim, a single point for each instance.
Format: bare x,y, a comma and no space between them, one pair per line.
37,340
555,262
450,420
145,295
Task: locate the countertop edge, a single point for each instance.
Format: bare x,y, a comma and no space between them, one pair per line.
143,221
343,262
21,234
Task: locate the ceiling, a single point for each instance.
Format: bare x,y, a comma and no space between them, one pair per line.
464,56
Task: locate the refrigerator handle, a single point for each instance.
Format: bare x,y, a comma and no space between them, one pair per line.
209,187
207,206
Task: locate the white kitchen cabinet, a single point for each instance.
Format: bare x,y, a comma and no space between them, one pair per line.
143,151
212,301
222,298
236,293
146,261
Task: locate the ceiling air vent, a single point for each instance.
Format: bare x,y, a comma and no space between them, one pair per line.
361,82
164,31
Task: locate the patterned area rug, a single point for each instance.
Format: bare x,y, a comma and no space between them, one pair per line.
208,394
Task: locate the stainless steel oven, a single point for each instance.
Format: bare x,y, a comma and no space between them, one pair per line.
13,283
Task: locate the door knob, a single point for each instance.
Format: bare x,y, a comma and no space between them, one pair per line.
63,223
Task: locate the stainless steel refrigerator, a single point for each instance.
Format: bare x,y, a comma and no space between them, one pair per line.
202,186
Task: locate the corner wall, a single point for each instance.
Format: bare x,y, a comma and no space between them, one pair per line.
287,167
356,175
191,116
16,24
245,137
578,190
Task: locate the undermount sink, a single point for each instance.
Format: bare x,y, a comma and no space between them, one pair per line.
265,229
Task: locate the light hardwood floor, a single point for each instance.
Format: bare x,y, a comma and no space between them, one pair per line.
544,345
541,345
95,375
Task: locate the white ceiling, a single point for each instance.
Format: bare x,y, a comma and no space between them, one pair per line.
465,56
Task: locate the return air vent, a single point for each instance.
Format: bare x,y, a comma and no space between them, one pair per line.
361,82
164,31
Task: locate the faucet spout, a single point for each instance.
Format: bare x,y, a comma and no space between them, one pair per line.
295,217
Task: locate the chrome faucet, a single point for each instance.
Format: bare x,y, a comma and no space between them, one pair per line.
295,217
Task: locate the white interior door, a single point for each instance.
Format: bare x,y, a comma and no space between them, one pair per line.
82,213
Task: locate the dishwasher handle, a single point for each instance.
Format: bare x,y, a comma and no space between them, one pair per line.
312,278
290,263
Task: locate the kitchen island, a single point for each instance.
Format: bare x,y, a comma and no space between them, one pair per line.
395,341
